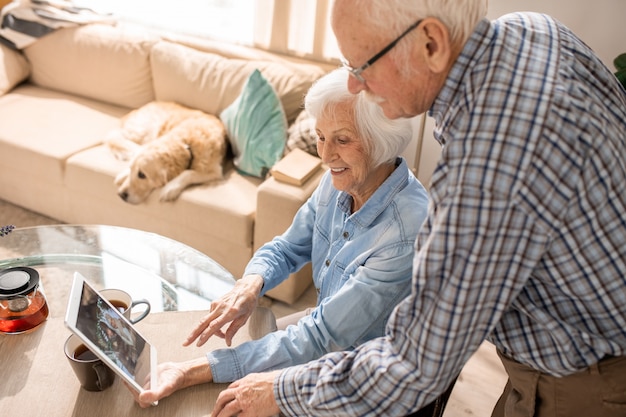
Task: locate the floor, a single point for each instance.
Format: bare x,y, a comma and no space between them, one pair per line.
477,388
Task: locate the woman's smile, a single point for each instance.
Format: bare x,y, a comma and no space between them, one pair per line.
337,171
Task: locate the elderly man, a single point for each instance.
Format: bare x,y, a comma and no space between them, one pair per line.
525,242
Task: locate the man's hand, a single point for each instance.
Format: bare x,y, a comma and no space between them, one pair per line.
251,396
235,307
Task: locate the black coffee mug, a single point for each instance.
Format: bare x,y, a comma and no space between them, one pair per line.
93,374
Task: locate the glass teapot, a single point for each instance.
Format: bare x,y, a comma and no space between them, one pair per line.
22,304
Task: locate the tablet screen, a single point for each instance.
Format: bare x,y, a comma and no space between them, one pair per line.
106,332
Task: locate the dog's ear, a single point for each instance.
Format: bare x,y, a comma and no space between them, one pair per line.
163,177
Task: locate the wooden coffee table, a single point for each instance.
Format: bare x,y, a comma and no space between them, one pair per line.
179,282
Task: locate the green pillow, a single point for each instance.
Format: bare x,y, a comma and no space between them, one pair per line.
256,126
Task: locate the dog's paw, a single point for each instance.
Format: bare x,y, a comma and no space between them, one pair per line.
170,192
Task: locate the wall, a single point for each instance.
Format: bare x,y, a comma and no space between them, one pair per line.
600,23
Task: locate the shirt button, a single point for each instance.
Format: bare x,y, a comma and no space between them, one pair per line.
346,235
318,290
327,263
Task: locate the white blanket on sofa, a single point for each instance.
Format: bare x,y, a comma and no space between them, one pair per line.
25,21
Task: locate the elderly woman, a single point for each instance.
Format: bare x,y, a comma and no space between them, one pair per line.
358,229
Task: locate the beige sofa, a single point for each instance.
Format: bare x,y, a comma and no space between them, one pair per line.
62,94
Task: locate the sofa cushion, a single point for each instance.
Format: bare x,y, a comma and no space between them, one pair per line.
14,68
216,218
256,127
98,61
40,130
211,82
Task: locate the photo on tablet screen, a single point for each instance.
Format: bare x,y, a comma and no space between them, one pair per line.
105,327
108,334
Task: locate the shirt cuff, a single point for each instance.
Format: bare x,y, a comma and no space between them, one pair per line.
225,366
259,270
285,393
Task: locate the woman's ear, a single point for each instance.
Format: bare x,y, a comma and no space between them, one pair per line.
437,45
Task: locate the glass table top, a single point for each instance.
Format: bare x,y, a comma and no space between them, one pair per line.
169,274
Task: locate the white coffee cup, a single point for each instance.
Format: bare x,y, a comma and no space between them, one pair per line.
125,303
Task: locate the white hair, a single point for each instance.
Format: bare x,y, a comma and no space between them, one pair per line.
459,16
383,139
394,16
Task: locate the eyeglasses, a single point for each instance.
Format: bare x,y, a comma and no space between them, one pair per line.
356,72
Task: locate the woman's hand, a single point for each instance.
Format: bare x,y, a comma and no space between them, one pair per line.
235,308
173,376
251,396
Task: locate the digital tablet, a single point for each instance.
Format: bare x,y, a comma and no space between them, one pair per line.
109,335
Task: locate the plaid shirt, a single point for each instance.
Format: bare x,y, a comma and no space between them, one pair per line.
525,243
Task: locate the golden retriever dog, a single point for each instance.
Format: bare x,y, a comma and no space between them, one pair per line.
167,145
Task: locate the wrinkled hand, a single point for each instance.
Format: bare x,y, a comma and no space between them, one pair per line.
171,377
169,380
235,308
251,396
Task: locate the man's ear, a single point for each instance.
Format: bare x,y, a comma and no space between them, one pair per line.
437,43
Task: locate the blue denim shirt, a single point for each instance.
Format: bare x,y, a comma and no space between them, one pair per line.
361,269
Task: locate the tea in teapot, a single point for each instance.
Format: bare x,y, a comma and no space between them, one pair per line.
22,304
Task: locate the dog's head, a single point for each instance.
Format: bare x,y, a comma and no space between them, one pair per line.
153,166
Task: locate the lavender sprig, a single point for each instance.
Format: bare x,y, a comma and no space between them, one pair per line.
5,230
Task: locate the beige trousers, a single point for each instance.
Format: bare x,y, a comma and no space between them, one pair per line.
598,391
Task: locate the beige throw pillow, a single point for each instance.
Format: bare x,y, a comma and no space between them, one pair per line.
13,68
211,82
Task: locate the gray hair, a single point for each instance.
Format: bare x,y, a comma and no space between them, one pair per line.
459,16
384,139
394,16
